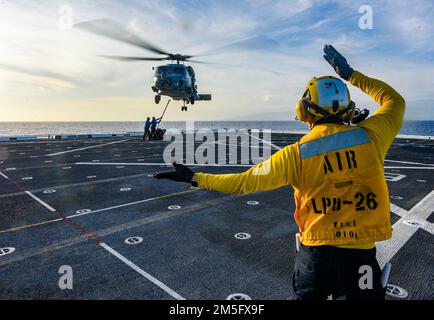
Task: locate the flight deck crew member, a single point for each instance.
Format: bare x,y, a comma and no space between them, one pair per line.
336,170
147,129
154,124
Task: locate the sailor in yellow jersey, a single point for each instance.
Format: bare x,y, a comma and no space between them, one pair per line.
336,170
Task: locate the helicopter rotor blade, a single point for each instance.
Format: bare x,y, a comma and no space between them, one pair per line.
200,62
112,30
133,58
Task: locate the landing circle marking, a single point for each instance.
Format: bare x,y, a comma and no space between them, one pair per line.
81,211
252,203
134,240
5,251
396,197
242,236
413,223
174,207
238,296
396,292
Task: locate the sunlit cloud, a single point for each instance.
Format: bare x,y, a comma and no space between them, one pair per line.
264,54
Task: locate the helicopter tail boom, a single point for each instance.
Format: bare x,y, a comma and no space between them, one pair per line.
204,97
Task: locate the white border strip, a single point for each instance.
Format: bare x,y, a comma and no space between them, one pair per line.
406,162
205,165
3,175
85,148
402,232
46,205
263,141
142,272
122,258
159,164
398,210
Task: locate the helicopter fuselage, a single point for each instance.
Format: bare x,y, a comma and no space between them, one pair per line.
176,81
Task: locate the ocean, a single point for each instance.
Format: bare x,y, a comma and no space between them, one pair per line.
43,129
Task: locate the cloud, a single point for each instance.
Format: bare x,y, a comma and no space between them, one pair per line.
272,48
63,79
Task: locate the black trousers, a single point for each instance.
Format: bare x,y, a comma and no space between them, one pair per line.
147,133
346,274
153,130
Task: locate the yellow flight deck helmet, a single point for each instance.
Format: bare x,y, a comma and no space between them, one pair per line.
325,97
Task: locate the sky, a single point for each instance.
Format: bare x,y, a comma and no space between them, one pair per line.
263,54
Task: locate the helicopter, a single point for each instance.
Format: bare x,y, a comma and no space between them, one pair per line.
175,80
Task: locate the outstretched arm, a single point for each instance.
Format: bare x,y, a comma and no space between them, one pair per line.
279,170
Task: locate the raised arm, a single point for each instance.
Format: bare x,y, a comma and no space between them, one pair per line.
388,119
386,122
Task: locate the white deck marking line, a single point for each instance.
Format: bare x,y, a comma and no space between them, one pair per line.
85,148
429,227
129,204
54,246
398,210
46,205
73,185
230,144
206,165
122,258
402,232
133,266
406,162
159,164
4,176
96,211
264,141
413,168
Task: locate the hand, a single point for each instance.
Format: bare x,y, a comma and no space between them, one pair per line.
181,174
360,115
338,62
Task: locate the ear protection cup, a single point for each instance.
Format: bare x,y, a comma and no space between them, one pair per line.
302,111
351,111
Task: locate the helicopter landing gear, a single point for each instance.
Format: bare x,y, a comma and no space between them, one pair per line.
157,99
192,100
184,107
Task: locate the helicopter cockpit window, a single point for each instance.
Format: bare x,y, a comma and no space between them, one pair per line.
180,71
162,69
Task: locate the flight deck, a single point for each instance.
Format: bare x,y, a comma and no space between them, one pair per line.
91,208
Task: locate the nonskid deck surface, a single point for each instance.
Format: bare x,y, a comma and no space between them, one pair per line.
75,202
